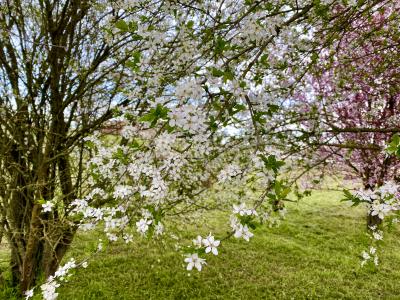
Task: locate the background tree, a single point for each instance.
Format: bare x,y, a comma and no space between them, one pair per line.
356,99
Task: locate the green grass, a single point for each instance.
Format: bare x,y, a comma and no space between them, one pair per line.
312,255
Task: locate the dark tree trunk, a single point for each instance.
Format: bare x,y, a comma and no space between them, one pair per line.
373,220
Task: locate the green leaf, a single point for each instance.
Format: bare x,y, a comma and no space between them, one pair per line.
348,196
133,63
120,155
220,45
122,25
41,201
216,72
126,27
159,112
394,146
271,163
190,24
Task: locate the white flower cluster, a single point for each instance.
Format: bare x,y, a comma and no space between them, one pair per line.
240,230
376,234
189,89
243,210
149,172
383,201
143,225
381,209
49,288
254,30
146,221
113,217
209,243
387,190
189,118
230,171
128,131
370,255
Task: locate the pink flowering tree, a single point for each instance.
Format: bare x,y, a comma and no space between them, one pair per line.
349,107
361,96
354,97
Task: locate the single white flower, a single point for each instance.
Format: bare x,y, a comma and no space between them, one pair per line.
234,222
84,264
194,260
128,238
28,294
159,229
143,225
100,245
244,232
240,209
112,237
377,235
48,206
376,261
198,242
365,255
211,244
363,263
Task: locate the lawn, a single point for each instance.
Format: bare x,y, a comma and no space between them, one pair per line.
314,254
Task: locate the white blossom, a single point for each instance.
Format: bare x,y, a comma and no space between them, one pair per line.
112,237
243,210
244,232
159,228
378,235
143,225
380,209
100,245
128,238
198,241
365,255
49,290
28,294
47,206
211,244
194,260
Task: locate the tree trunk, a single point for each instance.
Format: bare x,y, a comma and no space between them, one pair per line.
15,267
373,220
43,256
34,251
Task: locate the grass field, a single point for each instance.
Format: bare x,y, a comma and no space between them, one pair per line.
312,255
